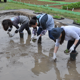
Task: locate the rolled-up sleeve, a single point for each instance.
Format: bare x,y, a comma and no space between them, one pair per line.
43,32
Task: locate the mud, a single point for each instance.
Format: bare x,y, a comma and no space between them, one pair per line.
21,60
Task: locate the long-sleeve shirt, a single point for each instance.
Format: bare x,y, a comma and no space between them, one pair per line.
48,25
71,33
19,19
49,22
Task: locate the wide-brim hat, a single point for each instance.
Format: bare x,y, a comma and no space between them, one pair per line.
55,32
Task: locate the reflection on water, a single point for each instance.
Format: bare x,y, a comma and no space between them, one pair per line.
73,74
21,60
42,62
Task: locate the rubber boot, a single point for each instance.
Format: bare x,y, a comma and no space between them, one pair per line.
29,32
40,39
73,55
21,34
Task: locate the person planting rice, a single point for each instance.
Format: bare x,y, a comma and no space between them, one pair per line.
14,21
44,22
69,33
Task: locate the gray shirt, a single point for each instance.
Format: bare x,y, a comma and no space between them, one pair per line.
19,20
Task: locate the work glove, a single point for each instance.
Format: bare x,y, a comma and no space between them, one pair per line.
38,38
32,36
54,56
72,48
10,35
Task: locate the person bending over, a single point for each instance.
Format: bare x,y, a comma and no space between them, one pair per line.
44,22
14,21
69,33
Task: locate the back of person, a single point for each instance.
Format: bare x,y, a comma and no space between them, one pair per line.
49,22
23,19
71,30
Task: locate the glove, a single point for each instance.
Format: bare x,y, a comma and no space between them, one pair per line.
32,36
72,48
38,38
54,56
11,35
16,31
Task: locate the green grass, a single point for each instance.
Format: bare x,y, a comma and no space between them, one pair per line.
57,17
10,5
77,21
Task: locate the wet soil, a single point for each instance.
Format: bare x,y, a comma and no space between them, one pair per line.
36,2
20,59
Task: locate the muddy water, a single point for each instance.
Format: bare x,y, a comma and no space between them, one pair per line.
22,60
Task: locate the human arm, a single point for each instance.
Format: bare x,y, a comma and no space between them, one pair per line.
43,32
34,32
56,48
15,21
16,25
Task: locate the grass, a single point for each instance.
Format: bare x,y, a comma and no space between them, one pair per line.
57,17
11,6
77,21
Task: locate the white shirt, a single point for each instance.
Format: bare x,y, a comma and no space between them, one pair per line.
71,33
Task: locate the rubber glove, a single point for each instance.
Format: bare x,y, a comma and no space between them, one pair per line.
38,38
32,36
72,48
11,35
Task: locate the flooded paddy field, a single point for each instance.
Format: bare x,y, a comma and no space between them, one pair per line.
22,60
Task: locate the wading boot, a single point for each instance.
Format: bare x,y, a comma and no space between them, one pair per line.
39,40
29,32
73,55
21,34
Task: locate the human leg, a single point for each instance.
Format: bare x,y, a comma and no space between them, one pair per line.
74,53
70,43
38,33
25,26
